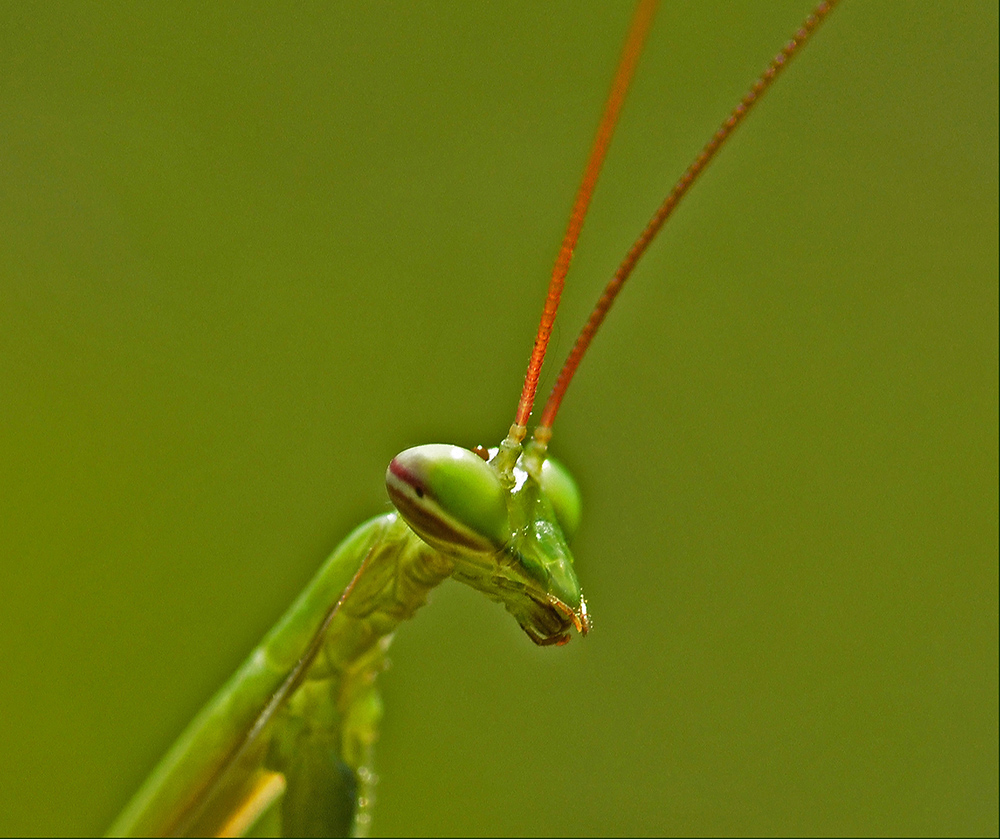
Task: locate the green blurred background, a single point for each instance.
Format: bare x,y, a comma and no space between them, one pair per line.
248,253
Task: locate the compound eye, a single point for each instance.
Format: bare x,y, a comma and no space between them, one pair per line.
451,497
563,494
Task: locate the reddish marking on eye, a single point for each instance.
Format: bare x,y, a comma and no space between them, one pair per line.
401,472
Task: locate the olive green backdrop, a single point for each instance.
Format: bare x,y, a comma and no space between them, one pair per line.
247,253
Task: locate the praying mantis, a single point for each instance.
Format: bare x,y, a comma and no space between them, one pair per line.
253,472
286,744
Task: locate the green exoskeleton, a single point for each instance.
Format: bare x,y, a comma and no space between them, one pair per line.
290,736
285,747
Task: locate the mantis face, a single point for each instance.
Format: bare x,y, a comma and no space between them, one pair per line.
510,543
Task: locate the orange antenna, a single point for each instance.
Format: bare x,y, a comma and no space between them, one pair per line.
544,430
639,28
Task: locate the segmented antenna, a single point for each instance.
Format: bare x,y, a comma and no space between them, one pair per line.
638,29
543,432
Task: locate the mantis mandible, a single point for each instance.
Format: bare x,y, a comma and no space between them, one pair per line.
286,746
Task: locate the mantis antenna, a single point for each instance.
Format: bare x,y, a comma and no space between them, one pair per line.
638,30
543,432
642,20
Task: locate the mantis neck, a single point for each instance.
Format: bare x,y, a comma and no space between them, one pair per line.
305,702
336,709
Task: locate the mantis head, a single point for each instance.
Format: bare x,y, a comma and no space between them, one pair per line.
505,522
511,543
